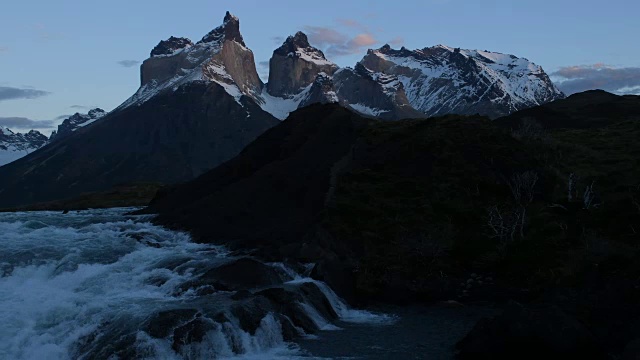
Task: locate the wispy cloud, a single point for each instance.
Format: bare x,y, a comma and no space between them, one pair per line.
4,49
80,107
13,93
278,40
353,24
128,63
21,123
325,36
336,43
396,42
63,117
619,80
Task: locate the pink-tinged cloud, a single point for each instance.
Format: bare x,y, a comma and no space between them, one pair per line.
335,43
573,79
362,40
353,24
324,36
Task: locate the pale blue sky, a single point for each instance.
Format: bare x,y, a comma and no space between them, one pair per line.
71,49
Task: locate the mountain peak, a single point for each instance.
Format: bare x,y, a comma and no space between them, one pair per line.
170,46
296,44
299,40
496,84
295,65
230,17
229,30
14,145
76,121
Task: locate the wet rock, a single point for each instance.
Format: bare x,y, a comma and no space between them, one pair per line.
162,323
528,332
316,298
338,275
287,302
289,331
251,312
241,295
242,274
193,331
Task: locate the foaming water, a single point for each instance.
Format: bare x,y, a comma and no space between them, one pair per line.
85,285
65,276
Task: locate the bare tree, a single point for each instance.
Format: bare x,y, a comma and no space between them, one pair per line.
505,224
523,186
573,179
588,197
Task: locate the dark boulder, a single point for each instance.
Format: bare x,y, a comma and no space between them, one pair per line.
339,275
316,298
288,303
162,324
243,274
251,312
193,331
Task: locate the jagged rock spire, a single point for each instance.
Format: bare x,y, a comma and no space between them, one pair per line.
295,65
229,31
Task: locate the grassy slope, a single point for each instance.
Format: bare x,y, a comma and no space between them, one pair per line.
415,204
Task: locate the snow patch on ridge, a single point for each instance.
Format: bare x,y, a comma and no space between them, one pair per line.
424,71
282,107
311,57
366,110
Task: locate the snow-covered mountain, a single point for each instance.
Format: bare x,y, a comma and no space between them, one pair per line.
199,104
221,57
393,84
13,145
75,122
196,108
442,80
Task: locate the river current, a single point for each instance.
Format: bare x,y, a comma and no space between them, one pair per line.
83,285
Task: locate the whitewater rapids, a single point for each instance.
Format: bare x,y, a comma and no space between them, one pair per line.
74,286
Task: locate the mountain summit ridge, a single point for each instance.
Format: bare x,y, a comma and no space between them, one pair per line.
199,104
386,83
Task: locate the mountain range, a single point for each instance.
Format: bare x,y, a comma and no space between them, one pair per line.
200,103
16,145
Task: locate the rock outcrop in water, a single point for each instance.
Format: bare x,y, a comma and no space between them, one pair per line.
101,284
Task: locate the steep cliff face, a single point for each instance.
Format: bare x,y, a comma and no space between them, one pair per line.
442,80
295,65
195,110
221,57
373,94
